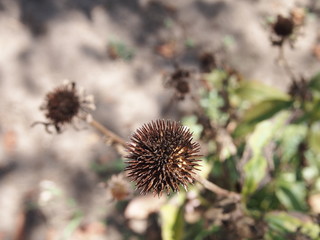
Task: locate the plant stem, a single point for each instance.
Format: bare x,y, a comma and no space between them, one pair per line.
114,138
216,189
282,60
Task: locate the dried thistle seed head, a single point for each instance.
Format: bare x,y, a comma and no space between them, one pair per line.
183,87
283,27
118,187
180,74
207,62
162,156
179,80
64,104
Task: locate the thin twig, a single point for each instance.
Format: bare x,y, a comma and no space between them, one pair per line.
114,138
283,61
216,189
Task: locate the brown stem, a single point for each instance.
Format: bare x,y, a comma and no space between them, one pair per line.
114,138
282,60
216,189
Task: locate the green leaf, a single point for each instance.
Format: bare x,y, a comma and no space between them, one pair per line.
314,138
172,217
255,91
195,128
72,226
216,77
255,171
281,223
289,138
292,195
312,111
262,135
265,110
255,168
259,112
314,82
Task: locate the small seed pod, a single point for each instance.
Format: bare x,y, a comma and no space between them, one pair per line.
207,62
162,157
283,27
65,104
118,187
179,80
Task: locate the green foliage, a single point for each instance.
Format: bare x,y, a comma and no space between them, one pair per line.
173,219
276,162
255,168
314,83
290,192
260,112
254,91
281,225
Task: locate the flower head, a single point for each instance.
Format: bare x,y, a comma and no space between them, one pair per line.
207,62
179,80
118,187
283,27
162,156
64,104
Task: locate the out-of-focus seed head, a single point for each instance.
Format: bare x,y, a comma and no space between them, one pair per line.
183,87
283,27
64,104
118,187
179,80
207,62
162,156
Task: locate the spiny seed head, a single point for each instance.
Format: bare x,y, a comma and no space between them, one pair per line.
62,104
65,104
283,27
162,156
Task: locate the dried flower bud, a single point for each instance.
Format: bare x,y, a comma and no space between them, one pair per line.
64,104
207,62
161,157
118,187
179,80
283,27
183,87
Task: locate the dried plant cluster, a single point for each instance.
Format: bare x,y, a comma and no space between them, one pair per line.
162,156
65,104
179,80
118,187
287,29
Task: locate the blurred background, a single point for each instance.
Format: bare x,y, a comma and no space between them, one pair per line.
120,52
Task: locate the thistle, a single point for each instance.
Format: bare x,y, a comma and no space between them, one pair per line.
65,104
162,156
